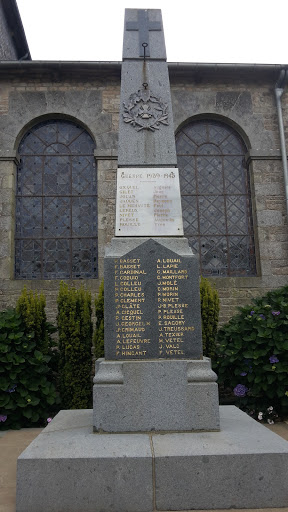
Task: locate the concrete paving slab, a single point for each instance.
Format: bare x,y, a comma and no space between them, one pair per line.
12,443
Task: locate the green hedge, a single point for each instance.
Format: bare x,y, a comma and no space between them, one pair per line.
99,330
210,315
75,343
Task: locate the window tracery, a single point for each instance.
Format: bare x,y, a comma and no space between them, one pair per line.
56,203
216,202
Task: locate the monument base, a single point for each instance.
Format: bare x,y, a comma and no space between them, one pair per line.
70,468
155,395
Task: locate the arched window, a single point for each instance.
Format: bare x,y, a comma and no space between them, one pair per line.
216,201
56,203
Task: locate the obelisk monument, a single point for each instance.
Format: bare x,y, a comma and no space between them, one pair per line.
153,346
153,384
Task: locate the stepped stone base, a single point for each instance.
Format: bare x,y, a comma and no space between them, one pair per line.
157,395
70,468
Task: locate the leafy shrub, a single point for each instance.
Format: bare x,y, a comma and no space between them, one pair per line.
75,343
31,306
27,394
32,309
210,315
253,355
99,332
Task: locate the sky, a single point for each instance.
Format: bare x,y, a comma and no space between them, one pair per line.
213,31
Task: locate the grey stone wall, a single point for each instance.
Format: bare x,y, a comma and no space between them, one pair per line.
92,99
24,103
249,106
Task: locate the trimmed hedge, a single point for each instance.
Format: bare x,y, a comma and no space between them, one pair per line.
210,315
99,330
75,343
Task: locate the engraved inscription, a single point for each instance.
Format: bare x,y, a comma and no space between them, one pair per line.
153,304
172,321
148,203
131,340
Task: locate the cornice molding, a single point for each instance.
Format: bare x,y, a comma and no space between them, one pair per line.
260,154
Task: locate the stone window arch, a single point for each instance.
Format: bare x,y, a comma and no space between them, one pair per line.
216,199
56,203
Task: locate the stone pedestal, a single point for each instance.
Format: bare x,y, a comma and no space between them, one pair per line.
157,395
154,376
68,468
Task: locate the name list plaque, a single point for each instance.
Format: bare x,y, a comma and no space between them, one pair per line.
148,202
152,305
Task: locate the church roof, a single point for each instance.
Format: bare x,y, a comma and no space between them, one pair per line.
112,69
16,30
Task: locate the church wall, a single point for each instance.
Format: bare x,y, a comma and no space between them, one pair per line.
247,104
28,102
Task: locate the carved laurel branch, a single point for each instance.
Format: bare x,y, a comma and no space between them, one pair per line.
134,118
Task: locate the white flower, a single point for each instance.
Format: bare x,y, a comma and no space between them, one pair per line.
271,422
260,416
270,409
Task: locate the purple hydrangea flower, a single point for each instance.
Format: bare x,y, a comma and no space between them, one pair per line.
240,390
49,420
243,374
273,359
3,417
275,313
248,363
252,312
12,389
262,316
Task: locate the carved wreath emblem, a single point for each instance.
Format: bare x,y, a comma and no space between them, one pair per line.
144,111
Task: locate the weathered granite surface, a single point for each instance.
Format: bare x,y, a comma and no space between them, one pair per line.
139,146
152,301
143,26
146,130
139,396
68,468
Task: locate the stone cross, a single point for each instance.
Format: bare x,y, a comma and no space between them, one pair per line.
143,25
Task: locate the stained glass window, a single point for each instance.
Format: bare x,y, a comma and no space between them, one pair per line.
56,203
216,200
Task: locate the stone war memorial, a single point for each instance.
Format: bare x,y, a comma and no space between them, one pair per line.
156,439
